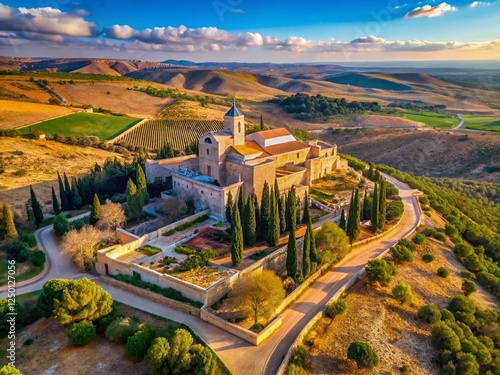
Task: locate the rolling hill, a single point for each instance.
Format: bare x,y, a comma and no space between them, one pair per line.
366,80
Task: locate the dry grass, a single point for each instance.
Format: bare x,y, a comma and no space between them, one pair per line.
188,110
393,330
14,114
20,88
203,277
41,159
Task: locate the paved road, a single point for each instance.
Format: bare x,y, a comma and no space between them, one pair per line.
461,122
241,357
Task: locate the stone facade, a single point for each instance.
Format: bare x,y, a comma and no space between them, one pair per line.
230,161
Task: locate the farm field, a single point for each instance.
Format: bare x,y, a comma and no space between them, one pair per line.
84,124
14,114
433,119
482,122
153,134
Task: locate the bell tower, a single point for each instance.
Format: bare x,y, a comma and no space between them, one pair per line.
234,121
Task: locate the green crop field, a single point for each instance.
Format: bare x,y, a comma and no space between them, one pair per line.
84,124
434,119
482,122
368,81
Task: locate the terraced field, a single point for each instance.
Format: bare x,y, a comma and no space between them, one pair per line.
153,134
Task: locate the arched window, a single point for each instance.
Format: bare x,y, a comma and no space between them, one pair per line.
208,140
239,127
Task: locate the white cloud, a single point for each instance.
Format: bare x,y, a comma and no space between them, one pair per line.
431,11
45,21
477,3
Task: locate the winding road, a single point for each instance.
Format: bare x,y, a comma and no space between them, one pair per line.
241,357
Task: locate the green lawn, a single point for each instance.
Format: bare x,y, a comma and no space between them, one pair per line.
482,122
84,124
434,119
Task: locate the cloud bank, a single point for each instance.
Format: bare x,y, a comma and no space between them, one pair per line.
430,11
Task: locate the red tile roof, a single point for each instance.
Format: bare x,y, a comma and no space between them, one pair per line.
274,133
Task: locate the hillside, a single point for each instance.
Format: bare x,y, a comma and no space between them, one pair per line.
431,153
368,81
40,160
14,113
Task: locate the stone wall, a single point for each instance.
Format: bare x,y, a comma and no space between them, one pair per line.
162,169
157,233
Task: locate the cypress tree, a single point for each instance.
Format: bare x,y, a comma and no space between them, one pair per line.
282,209
306,254
236,238
76,200
291,215
258,224
365,213
8,222
306,216
381,204
35,206
277,193
55,202
342,222
292,261
62,194
370,172
265,209
229,206
96,210
134,200
353,225
273,226
241,202
250,224
312,242
376,176
261,122
375,209
67,189
142,185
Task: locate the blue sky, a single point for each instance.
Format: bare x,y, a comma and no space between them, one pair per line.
244,30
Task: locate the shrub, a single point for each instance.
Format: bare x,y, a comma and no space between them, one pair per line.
121,329
186,250
443,272
18,250
29,238
468,287
294,370
430,313
61,225
467,275
401,254
103,323
428,258
447,315
395,210
37,258
402,292
443,337
407,243
299,356
363,354
336,308
21,172
158,352
419,239
82,333
378,270
149,250
138,344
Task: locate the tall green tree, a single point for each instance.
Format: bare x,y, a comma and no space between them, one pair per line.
353,225
35,206
312,240
142,185
67,189
62,194
306,253
241,201
55,202
375,209
282,211
261,122
8,222
382,205
258,224
342,222
370,172
229,206
250,223
76,199
236,237
134,200
96,210
273,227
365,212
265,209
306,215
292,258
165,152
291,206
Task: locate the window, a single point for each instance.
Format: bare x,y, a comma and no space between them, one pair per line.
239,127
298,155
209,171
208,151
208,140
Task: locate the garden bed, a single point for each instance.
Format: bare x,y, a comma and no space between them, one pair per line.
215,239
